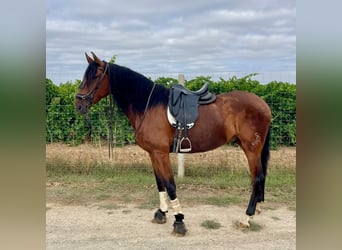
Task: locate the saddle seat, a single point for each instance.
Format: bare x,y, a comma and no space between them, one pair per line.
205,97
183,111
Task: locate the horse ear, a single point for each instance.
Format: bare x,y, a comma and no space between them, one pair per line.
89,59
97,60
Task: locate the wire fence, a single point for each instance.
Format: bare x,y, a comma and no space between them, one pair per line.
112,129
63,124
263,77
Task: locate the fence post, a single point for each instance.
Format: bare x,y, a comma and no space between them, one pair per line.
180,155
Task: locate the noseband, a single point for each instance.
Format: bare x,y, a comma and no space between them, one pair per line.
90,95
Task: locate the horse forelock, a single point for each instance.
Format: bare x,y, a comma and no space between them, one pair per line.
89,75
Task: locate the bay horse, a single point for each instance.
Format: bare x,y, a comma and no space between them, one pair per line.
235,116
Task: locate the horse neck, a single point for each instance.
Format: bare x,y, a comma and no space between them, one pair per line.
129,89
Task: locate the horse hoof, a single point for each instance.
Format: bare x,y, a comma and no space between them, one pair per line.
159,217
179,228
243,222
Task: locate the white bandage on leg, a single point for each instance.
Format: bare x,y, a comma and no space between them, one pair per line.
244,221
176,206
163,201
258,208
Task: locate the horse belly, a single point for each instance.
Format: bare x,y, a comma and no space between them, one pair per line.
205,143
209,131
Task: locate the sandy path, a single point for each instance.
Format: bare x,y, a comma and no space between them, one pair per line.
127,227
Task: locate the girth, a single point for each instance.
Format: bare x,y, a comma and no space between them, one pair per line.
183,106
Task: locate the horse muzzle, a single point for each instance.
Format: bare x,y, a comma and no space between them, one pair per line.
82,108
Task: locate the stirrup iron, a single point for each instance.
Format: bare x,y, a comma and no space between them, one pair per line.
185,150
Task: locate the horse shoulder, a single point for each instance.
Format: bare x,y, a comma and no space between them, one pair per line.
155,131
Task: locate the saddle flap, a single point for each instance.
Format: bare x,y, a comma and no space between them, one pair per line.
183,107
190,109
183,103
175,101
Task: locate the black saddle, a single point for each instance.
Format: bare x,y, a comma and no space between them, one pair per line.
205,97
183,105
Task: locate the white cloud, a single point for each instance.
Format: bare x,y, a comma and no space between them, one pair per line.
176,36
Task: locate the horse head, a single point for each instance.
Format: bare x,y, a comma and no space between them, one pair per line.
94,86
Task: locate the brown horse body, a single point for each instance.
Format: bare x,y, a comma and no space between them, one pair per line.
235,116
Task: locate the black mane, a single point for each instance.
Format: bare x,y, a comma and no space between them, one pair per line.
129,88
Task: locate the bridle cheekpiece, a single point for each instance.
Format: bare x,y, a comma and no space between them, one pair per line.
90,95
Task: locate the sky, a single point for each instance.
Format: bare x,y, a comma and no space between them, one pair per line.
217,38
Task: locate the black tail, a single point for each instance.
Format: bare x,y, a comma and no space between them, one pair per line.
265,154
259,181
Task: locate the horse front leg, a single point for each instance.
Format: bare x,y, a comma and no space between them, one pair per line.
166,185
160,214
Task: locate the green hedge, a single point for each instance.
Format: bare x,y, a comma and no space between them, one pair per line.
63,124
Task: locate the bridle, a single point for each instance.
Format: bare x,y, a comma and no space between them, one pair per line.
90,95
89,98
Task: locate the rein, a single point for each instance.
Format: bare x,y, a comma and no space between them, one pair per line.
110,120
144,115
90,95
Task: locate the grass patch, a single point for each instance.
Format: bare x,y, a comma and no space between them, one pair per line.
109,206
255,227
217,178
211,224
223,201
138,187
275,218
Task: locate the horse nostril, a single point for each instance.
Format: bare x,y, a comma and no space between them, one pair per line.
79,108
82,109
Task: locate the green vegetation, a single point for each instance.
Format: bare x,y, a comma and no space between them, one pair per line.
253,227
79,184
211,224
63,124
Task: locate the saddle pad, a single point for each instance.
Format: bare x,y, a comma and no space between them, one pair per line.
172,120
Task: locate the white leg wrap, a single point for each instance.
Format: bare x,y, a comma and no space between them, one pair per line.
177,209
258,208
244,221
163,201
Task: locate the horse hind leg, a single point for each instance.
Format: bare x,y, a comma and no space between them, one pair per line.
258,186
265,155
257,153
257,195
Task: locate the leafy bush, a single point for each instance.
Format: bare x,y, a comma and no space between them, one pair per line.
64,124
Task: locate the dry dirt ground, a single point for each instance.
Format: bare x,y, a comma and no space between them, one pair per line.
125,226
128,227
